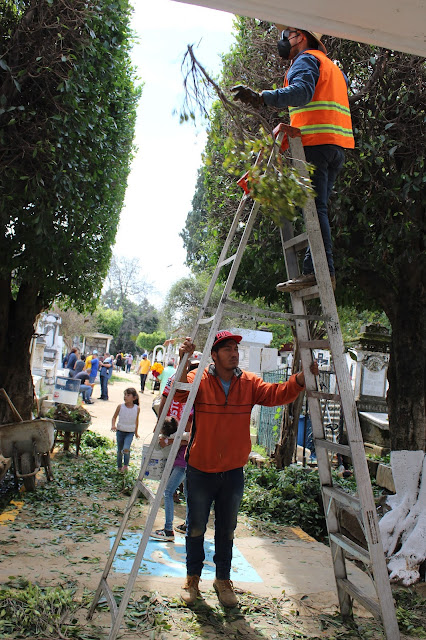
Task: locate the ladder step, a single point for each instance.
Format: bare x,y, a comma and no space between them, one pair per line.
145,491
183,386
207,320
307,294
343,498
322,395
354,591
298,242
314,344
227,260
351,547
343,449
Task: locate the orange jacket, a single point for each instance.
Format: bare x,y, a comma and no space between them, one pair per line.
220,435
327,118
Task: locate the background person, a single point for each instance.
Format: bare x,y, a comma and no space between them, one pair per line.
71,360
93,367
127,427
218,449
129,361
105,374
177,476
86,389
167,373
143,370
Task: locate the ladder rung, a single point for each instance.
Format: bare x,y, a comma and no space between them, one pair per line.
351,547
227,261
343,498
298,242
308,293
314,344
355,592
322,395
183,386
145,490
343,449
207,320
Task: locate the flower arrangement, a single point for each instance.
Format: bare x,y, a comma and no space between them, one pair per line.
156,369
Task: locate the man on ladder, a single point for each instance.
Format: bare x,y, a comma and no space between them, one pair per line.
315,91
217,452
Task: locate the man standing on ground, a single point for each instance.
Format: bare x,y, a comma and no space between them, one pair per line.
143,370
104,375
94,366
315,91
217,452
71,362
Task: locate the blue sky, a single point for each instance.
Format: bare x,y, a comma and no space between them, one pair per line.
162,181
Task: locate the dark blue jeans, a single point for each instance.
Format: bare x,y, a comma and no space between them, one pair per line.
104,387
225,490
328,160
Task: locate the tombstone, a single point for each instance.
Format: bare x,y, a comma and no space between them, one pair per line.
46,348
372,348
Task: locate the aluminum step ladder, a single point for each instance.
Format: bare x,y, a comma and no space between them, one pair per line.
332,496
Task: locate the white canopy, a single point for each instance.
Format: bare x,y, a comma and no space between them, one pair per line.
394,24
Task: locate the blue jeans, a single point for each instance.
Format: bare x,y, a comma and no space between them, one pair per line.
104,387
86,392
225,490
124,440
328,160
176,477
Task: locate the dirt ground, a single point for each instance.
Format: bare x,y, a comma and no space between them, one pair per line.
294,597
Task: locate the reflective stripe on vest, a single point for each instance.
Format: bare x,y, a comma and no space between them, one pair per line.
326,119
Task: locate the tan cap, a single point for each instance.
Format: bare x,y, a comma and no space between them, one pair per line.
317,36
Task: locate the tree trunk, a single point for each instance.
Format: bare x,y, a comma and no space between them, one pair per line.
286,445
17,318
284,449
406,373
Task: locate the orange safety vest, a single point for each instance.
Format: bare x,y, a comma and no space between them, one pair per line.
327,118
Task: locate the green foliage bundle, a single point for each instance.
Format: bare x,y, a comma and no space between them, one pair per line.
33,610
291,497
69,413
279,187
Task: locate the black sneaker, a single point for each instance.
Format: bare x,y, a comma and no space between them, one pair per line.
181,528
162,534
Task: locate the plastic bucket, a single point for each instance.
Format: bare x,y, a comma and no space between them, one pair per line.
157,461
66,390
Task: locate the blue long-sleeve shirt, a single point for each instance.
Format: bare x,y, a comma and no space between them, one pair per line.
302,79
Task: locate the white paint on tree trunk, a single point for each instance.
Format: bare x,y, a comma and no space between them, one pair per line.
403,529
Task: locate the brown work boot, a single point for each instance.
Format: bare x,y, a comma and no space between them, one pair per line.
190,591
303,281
225,592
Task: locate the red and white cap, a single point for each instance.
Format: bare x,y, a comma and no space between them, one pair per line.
221,336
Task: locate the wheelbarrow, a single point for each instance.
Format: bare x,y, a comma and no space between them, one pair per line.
28,443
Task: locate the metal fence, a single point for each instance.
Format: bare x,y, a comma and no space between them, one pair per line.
271,417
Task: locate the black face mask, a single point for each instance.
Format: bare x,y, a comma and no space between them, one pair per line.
284,47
